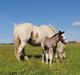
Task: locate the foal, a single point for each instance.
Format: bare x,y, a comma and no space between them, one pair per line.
49,44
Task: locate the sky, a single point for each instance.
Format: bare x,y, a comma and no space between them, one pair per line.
61,14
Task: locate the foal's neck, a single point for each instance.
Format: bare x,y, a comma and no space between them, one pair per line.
55,39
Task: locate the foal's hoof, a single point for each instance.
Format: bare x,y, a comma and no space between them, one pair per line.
46,62
50,64
57,61
42,61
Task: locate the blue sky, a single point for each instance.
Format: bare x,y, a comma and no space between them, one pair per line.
62,14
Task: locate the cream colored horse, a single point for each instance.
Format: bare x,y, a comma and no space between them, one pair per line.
28,33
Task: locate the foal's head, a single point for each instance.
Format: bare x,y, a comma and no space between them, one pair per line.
62,37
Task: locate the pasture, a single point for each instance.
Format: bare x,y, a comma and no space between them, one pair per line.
10,66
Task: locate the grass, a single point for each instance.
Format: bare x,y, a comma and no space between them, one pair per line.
10,66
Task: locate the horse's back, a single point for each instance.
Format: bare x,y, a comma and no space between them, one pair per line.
43,31
48,30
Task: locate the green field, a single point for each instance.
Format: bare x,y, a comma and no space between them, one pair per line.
10,66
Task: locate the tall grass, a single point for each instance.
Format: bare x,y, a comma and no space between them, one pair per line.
10,66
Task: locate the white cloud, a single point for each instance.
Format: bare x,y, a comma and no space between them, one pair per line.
77,23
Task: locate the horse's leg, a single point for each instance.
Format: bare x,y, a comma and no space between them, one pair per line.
20,48
42,46
24,54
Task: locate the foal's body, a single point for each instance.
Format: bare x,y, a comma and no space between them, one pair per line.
49,44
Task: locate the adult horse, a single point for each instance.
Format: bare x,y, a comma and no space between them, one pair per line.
28,33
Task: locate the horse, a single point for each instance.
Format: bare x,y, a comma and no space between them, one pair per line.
49,44
28,33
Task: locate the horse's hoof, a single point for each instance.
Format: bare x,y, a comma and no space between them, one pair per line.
26,58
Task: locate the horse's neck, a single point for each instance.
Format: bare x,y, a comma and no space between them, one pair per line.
55,39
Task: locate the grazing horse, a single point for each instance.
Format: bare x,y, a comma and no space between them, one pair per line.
28,33
49,44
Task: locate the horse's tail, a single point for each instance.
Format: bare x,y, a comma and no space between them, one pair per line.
16,44
16,39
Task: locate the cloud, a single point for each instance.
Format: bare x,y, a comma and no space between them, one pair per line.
77,23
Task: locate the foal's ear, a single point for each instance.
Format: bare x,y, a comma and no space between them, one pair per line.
60,31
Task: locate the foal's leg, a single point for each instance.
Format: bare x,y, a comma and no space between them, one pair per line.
46,56
56,56
51,55
20,48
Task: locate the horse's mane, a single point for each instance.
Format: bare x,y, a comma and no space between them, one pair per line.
54,35
53,28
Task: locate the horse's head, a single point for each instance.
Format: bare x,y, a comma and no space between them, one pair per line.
62,37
